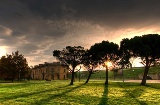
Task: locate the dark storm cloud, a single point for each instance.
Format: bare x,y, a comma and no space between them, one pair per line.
37,27
47,9
110,12
31,16
26,49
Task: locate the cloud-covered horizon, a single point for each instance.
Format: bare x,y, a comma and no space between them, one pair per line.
37,27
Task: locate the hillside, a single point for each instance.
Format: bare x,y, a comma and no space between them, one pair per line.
134,73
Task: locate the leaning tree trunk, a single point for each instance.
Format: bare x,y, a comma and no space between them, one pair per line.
106,82
72,79
90,73
130,64
145,73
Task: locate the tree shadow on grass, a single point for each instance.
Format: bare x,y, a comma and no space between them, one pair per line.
134,93
53,96
16,84
6,82
104,98
153,86
5,98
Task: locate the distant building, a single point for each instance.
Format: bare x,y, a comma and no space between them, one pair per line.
50,71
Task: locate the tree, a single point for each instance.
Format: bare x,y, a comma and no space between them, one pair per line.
89,63
147,48
124,54
104,52
20,64
14,66
4,66
70,56
8,72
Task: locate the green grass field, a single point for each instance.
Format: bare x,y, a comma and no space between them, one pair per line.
93,93
128,73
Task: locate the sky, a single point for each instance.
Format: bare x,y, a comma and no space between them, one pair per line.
37,27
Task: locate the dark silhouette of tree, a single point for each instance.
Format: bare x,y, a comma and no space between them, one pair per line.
14,66
20,64
5,66
124,54
104,52
70,56
9,73
89,63
147,48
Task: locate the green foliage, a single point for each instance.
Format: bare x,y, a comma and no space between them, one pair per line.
124,53
146,47
70,56
93,93
13,65
104,51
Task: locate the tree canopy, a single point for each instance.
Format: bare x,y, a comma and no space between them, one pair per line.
147,47
104,51
70,56
124,54
89,63
13,66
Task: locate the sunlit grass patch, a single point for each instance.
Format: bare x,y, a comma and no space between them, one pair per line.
133,94
151,95
93,93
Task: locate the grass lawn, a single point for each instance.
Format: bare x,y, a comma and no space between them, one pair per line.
93,93
127,73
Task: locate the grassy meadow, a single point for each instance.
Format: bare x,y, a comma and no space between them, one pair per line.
93,93
127,73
